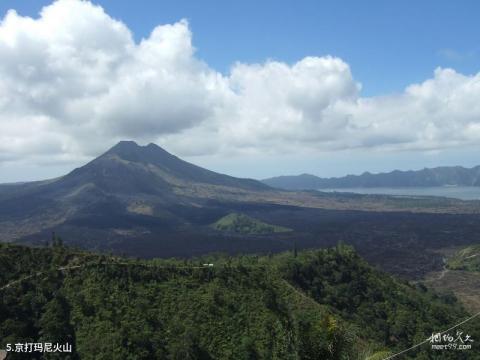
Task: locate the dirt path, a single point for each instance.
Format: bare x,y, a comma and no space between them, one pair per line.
433,278
39,273
443,273
65,268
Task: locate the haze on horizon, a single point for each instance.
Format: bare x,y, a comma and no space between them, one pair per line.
75,79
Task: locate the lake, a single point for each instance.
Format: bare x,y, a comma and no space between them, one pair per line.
457,192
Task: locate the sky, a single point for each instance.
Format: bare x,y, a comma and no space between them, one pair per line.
252,89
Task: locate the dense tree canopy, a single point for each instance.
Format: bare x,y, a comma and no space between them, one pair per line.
323,304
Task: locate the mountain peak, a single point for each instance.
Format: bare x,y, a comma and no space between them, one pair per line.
152,164
131,151
127,142
130,145
124,147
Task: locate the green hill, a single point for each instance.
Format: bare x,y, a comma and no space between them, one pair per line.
324,304
243,224
466,259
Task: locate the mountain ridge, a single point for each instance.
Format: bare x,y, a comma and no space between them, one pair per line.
438,176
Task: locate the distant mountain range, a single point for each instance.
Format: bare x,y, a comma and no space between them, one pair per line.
439,176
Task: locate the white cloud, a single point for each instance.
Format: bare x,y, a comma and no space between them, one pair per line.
73,81
76,78
275,103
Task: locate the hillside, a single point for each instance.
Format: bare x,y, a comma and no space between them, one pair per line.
467,259
153,166
440,176
243,224
326,304
460,275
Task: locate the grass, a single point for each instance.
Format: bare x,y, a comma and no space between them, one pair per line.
464,285
467,259
460,276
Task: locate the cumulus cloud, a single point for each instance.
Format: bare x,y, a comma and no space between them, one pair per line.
73,81
275,103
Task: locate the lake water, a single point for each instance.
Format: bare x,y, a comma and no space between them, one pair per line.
457,192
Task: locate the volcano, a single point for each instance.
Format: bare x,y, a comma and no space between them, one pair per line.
128,191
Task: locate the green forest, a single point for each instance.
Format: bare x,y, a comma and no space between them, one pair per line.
318,304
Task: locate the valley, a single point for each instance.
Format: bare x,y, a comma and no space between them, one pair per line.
142,201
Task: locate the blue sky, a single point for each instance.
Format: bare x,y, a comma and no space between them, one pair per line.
271,88
388,44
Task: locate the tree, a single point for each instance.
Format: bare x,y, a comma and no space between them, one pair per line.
248,350
55,327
